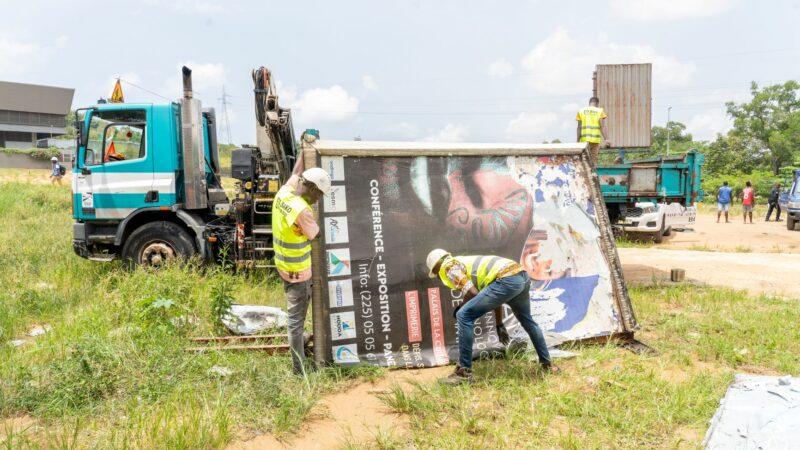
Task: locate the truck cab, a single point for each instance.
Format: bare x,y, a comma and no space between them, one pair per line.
130,173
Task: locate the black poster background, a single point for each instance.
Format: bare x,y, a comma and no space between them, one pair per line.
390,231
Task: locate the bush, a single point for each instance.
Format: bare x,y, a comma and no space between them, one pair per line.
41,154
762,181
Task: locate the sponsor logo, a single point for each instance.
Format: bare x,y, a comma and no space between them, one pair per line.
336,230
343,326
412,316
334,165
336,201
340,293
344,354
339,261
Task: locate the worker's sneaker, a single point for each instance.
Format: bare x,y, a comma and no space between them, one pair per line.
460,376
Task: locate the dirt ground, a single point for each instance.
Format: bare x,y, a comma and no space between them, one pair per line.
352,417
762,258
760,237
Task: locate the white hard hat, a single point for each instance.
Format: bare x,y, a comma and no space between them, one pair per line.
54,159
319,178
433,258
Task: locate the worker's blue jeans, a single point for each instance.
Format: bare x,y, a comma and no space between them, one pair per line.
513,290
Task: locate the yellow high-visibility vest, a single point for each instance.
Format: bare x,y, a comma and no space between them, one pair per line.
292,250
590,117
482,270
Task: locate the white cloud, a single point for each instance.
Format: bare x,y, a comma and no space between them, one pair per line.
17,57
660,10
452,132
705,125
332,104
192,6
500,68
207,80
403,130
369,83
531,125
62,41
561,64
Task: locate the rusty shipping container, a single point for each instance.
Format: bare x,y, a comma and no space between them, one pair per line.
625,92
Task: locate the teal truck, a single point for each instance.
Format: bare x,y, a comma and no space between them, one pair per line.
652,196
146,181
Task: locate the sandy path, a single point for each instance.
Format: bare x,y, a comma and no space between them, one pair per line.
350,417
764,237
758,273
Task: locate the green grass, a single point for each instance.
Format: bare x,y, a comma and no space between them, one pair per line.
113,372
608,397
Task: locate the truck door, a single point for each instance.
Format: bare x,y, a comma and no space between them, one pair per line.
115,168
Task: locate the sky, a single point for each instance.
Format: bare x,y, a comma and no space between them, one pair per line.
445,70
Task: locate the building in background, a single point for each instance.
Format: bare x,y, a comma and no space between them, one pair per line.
29,112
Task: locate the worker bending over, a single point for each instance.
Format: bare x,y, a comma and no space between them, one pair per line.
487,283
592,128
293,226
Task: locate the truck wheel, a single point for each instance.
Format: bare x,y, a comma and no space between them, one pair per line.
790,222
155,243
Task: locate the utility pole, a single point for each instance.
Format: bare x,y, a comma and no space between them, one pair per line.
224,100
669,108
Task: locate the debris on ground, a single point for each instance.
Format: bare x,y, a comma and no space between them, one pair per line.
39,330
757,412
250,319
220,371
17,342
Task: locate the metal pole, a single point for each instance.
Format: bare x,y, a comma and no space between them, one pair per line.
669,108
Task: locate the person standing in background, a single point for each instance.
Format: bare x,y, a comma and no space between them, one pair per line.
592,128
748,201
723,201
57,171
774,196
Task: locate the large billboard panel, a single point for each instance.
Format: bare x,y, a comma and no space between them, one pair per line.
625,93
391,204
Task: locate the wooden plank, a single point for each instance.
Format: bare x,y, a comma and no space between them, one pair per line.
271,349
237,338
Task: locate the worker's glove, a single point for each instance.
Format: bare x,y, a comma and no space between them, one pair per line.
502,333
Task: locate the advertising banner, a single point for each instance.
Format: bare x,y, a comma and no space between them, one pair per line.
391,203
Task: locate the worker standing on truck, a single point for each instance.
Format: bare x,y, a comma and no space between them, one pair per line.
293,226
487,283
592,128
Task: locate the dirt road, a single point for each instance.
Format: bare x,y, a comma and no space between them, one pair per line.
760,237
758,273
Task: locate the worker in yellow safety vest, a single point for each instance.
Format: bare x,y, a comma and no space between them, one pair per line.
487,283
592,128
293,225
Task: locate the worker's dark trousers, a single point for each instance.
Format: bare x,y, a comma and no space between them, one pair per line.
298,297
771,207
513,290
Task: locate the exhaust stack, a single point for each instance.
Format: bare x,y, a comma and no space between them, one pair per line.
194,177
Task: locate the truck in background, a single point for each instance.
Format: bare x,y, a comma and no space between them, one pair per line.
146,181
652,196
790,202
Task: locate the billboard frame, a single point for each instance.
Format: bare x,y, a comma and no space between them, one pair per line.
313,150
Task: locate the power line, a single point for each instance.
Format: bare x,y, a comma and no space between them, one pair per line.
144,89
224,100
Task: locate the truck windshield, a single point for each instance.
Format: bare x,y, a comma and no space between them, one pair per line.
123,133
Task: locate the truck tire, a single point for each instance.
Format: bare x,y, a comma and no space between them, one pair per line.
790,222
155,243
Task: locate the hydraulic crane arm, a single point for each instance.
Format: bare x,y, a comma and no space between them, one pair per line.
274,130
